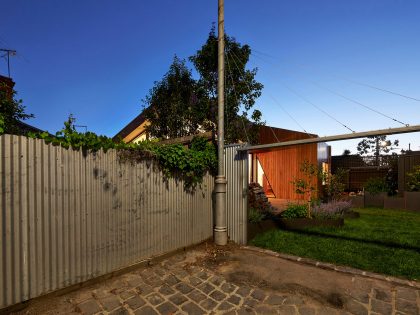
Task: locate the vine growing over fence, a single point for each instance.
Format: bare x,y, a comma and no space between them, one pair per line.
175,160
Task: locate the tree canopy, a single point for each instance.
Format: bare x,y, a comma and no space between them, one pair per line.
174,106
241,88
11,111
180,105
376,145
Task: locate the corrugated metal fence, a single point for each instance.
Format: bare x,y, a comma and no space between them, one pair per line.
67,217
237,193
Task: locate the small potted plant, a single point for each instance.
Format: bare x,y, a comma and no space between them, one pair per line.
412,196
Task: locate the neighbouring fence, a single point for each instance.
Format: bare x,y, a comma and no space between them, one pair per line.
406,164
237,193
355,160
361,168
356,177
67,217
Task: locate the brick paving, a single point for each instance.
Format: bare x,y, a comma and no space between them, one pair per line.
177,286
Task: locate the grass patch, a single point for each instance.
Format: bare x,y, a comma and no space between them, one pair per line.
381,240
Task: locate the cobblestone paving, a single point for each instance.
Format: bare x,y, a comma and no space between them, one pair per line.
175,286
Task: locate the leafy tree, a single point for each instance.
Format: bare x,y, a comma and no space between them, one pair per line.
307,185
241,88
179,106
376,145
11,111
174,106
346,152
334,184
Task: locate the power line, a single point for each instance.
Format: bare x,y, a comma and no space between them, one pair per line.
317,107
346,97
287,113
380,89
236,97
351,81
249,87
361,104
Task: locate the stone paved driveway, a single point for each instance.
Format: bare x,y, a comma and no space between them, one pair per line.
187,284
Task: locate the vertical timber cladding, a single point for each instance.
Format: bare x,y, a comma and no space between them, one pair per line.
236,169
67,217
282,165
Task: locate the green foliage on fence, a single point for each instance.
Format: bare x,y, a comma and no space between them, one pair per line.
2,124
175,160
413,179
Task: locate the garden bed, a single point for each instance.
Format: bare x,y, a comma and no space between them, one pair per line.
394,202
412,200
374,200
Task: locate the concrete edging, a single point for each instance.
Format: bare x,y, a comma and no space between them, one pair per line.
343,269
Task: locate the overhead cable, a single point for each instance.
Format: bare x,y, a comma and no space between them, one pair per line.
352,81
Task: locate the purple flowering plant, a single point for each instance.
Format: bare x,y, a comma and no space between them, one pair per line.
332,210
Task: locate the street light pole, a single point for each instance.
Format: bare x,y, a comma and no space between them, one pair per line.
220,229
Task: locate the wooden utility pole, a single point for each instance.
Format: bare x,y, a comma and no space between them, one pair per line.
220,229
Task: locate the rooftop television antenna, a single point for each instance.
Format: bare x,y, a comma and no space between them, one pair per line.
7,54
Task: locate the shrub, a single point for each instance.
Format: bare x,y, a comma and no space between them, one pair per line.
334,184
295,210
391,181
331,210
413,179
376,185
255,216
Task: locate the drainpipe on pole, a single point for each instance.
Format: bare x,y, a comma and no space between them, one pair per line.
220,229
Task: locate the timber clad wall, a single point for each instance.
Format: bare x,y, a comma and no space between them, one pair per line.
68,217
283,166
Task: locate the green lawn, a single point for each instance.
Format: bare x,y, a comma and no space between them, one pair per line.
383,241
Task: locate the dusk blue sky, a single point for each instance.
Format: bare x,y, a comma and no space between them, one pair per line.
98,59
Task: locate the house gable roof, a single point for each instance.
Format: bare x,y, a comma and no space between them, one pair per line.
138,121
